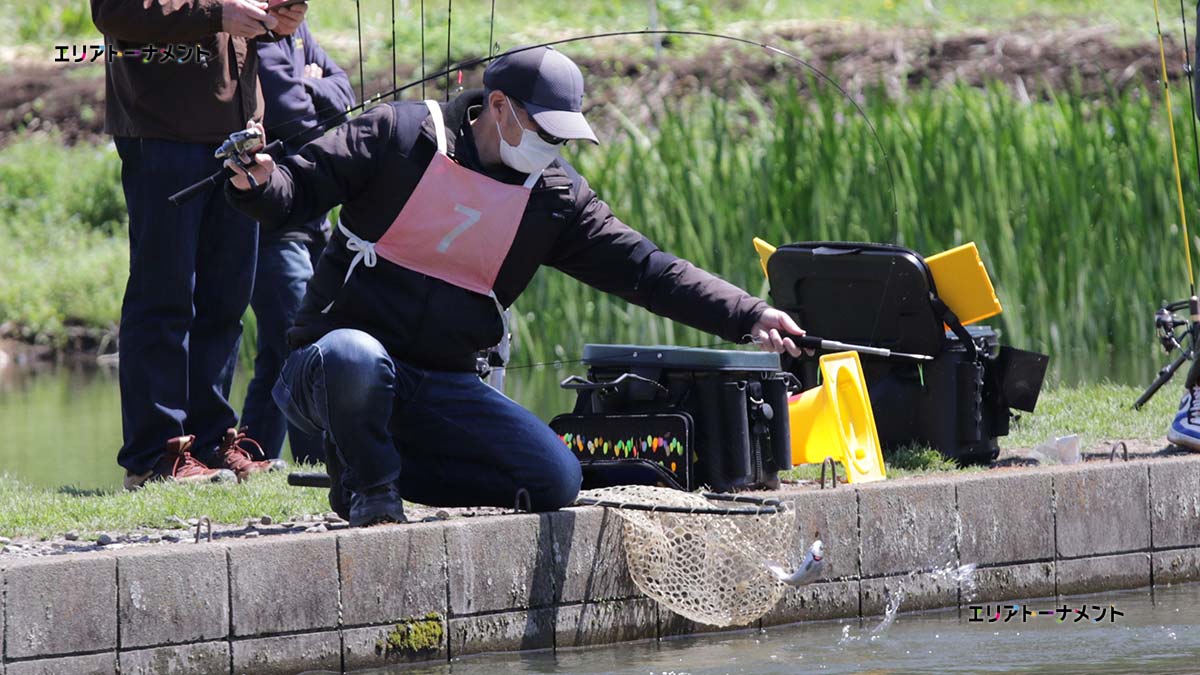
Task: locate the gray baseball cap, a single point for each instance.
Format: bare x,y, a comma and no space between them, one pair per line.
548,84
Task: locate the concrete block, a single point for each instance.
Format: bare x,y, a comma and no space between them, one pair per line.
1107,573
63,605
832,517
602,623
588,546
1102,509
1006,519
510,631
909,592
1011,582
173,596
289,654
907,526
92,664
815,602
285,584
501,563
392,573
403,642
1175,503
202,658
1180,566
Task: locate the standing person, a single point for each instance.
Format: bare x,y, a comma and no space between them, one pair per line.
191,267
302,89
448,211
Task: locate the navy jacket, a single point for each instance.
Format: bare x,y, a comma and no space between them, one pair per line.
295,103
372,164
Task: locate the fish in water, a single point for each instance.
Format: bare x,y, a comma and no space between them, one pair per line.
814,560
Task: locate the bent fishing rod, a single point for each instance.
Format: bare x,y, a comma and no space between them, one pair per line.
277,148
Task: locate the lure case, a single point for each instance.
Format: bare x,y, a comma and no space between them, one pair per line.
680,417
884,296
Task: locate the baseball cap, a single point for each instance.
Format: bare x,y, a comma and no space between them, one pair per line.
548,84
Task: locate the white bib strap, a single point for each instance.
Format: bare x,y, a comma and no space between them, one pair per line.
533,179
439,124
500,308
364,252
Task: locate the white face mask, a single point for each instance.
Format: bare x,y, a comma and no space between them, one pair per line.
531,154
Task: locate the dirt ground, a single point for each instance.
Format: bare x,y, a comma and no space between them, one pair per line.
40,96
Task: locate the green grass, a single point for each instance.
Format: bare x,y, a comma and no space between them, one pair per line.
1097,412
36,512
911,460
62,221
1071,202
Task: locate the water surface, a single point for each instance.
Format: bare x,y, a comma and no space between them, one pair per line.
1159,634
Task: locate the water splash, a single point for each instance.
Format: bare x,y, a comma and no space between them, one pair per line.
894,599
963,575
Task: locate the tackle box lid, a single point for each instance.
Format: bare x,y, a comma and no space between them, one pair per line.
681,358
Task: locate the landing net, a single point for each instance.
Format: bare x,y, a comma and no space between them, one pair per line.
703,556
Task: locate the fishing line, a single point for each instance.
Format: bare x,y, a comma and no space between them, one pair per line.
449,19
1187,55
394,79
1187,246
472,63
362,83
422,49
492,30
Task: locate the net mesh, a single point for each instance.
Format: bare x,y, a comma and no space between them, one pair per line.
711,568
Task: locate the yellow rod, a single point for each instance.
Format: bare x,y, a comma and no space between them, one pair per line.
1187,243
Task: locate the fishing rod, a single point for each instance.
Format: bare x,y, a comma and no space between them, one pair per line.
1174,333
276,148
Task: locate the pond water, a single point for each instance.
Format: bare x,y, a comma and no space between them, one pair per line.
1156,634
62,426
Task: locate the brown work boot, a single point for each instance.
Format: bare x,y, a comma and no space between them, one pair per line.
177,465
236,458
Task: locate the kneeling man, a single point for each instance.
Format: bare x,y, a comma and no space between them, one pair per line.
448,210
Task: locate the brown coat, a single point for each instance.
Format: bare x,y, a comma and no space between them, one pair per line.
187,102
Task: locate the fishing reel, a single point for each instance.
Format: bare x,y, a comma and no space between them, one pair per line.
241,143
1174,333
1167,326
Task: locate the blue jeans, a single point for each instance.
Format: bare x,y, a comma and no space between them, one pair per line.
445,438
191,269
284,268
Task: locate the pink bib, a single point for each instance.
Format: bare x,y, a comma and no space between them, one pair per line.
458,225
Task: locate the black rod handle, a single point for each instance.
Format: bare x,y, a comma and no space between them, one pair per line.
306,479
191,191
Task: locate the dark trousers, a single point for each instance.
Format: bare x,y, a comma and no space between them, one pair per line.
284,268
446,438
191,268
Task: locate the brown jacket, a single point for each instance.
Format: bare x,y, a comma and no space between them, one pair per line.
188,102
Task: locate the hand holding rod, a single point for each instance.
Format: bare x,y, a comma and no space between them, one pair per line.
225,173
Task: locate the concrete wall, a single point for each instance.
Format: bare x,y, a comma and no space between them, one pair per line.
431,591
